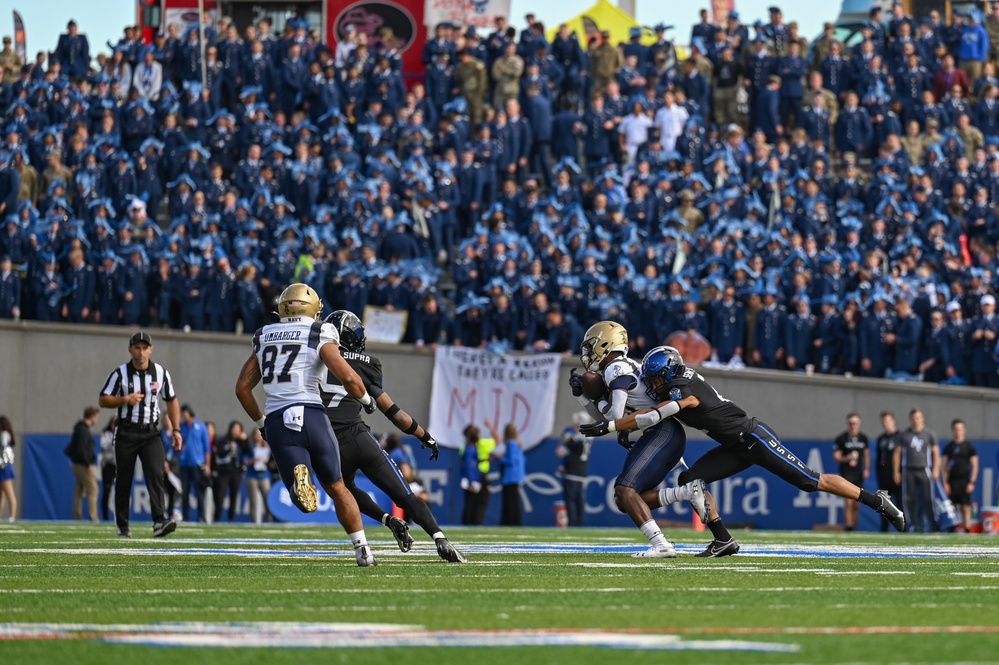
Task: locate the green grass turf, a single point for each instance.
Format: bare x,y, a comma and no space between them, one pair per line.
737,598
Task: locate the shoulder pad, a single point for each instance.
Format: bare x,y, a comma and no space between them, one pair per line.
618,368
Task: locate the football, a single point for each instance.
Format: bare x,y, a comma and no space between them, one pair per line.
593,386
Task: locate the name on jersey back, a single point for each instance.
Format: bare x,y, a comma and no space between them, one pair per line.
283,336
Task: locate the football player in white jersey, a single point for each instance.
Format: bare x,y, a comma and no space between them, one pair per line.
290,358
606,343
605,350
657,451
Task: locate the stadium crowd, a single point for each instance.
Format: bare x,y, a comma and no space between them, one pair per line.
798,205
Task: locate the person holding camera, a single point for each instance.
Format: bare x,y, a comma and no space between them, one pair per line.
227,469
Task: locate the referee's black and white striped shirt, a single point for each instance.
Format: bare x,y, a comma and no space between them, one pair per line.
153,382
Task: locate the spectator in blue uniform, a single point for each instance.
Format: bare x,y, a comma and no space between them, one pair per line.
905,343
351,157
984,331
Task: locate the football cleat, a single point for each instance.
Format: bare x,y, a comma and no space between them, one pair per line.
401,532
698,500
656,552
365,557
890,511
124,533
448,552
161,529
303,492
717,549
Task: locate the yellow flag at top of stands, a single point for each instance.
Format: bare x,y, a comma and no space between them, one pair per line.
603,16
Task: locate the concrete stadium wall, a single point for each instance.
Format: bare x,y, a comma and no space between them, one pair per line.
52,371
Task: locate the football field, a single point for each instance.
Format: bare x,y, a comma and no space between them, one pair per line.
74,593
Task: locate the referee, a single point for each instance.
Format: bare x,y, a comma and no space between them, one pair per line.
134,390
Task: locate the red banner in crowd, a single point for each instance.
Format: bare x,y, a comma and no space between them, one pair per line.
20,38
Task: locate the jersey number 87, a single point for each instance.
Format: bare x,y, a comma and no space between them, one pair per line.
268,359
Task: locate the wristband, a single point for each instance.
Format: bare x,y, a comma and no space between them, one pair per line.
426,437
412,428
176,431
611,426
364,399
260,422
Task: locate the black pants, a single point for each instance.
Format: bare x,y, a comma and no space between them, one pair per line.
146,446
227,481
192,478
359,451
476,504
761,447
512,514
918,501
107,480
575,501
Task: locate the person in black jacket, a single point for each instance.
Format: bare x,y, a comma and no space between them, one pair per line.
227,469
82,456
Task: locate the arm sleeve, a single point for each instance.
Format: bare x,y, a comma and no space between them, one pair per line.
657,415
594,412
619,400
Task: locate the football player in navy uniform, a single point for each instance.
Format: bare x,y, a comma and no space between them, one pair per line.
291,358
359,450
682,392
655,454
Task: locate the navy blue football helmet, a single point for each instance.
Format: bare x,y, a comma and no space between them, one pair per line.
351,331
660,366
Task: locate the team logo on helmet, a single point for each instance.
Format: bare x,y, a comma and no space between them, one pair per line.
300,300
660,366
600,340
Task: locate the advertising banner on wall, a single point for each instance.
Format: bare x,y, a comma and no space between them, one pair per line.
754,498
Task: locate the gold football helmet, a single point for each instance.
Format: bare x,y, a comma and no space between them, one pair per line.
602,339
300,300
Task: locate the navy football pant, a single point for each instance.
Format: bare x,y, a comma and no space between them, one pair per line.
653,456
314,446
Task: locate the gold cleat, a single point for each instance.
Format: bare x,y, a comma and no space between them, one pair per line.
304,492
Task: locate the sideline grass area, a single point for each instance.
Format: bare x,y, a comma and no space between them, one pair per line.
927,609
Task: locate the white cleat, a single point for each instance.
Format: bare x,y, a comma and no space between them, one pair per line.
656,552
699,500
365,557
